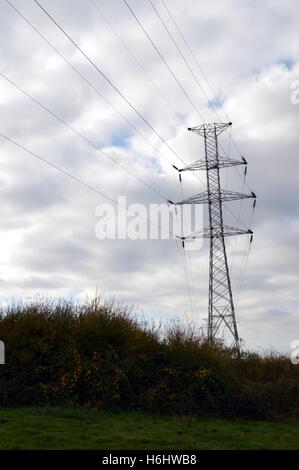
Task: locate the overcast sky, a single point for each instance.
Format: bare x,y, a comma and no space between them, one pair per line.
248,51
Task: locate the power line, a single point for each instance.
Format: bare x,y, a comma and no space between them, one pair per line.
79,181
100,193
134,57
230,139
193,56
186,271
188,267
183,57
244,261
86,80
111,83
189,264
164,61
194,76
85,139
202,72
196,80
139,63
130,52
242,271
75,69
161,56
91,85
107,79
188,280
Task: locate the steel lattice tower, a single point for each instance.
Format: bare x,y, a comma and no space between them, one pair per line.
221,311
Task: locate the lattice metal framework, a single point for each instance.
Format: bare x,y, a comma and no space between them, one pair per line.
221,311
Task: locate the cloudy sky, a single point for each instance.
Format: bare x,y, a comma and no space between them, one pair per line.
248,52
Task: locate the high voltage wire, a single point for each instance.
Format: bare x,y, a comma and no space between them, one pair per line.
172,73
201,70
103,75
189,265
75,69
85,55
98,92
138,62
164,61
185,62
187,96
186,275
81,182
244,259
193,56
78,133
188,280
208,101
183,57
107,78
196,62
117,90
242,272
189,276
134,57
244,266
88,141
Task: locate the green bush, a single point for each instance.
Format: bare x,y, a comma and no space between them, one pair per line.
100,356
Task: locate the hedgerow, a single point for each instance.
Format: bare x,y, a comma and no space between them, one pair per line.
99,355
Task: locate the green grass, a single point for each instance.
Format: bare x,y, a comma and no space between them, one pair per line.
78,428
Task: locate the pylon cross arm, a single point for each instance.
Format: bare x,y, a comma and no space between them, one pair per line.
208,197
218,231
222,162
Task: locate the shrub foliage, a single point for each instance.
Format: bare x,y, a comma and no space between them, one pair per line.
100,356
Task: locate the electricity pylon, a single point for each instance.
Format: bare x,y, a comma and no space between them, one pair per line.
221,310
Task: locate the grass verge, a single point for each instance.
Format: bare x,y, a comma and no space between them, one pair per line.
78,428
